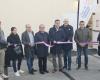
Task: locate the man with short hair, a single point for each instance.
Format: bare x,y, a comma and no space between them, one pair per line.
82,38
3,45
56,34
67,48
29,47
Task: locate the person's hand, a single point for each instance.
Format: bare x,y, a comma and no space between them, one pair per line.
54,41
29,44
9,44
82,44
69,41
15,45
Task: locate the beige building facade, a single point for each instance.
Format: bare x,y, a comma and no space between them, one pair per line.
20,12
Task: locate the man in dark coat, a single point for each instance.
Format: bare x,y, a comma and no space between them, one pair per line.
28,41
68,30
41,49
56,34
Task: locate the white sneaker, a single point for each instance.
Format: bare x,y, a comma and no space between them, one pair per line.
17,74
4,76
21,71
1,78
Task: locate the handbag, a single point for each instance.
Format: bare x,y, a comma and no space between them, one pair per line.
18,50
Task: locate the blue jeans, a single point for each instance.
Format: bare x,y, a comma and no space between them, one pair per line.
30,63
85,52
67,59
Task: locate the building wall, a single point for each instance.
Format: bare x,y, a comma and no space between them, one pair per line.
96,24
20,12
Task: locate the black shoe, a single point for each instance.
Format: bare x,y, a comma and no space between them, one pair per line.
41,72
64,67
69,69
86,67
78,67
31,72
34,70
60,70
46,71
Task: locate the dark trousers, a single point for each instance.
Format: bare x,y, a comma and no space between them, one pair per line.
42,62
67,59
85,52
16,64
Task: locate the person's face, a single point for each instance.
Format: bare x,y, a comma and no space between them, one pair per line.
82,24
57,24
28,28
42,28
14,31
66,22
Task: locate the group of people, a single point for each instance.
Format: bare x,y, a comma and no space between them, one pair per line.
12,50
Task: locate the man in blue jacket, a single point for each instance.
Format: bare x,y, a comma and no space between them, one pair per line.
67,48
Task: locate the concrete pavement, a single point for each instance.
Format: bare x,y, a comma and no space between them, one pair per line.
92,74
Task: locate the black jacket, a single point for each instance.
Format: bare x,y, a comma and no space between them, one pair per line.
55,35
41,49
13,39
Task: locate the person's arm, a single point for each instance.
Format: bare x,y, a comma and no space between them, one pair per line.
36,38
10,41
50,36
71,34
2,41
76,37
98,38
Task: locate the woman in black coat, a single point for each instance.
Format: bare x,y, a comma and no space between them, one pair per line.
41,49
14,42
